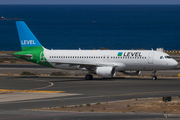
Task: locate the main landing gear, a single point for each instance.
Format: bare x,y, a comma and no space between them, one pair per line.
154,75
88,77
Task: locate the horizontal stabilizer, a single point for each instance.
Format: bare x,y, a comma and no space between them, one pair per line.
27,56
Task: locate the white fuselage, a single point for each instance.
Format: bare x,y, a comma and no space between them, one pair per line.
120,59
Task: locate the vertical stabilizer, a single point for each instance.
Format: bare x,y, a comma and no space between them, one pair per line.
27,39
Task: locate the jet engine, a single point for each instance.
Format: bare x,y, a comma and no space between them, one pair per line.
131,73
105,71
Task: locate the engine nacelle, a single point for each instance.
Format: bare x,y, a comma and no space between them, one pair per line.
105,71
131,73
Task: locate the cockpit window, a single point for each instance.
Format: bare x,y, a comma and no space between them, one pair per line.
167,57
161,57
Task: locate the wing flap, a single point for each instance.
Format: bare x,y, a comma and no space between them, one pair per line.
81,64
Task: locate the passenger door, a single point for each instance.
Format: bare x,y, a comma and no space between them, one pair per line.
150,58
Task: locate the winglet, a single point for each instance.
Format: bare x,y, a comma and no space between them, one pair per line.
27,39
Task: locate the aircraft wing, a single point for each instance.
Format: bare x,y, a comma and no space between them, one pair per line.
90,66
86,65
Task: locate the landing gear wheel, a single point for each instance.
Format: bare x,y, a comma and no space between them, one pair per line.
154,78
88,77
154,75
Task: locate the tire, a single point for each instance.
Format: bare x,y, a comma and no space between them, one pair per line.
88,77
91,77
154,78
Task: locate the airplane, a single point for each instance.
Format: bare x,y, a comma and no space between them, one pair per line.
104,63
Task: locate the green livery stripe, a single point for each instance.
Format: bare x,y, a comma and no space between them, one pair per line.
35,48
37,56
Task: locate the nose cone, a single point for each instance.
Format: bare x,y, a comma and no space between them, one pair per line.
173,63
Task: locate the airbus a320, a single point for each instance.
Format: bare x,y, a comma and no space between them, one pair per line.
104,63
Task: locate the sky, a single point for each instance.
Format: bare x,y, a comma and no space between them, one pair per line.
89,1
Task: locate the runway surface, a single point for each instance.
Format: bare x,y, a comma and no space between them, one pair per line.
19,68
78,91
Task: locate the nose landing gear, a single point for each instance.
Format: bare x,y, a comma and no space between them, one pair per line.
154,75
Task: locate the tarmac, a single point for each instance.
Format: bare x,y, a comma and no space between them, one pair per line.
14,68
29,92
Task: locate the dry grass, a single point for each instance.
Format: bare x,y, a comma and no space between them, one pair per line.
149,105
8,52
